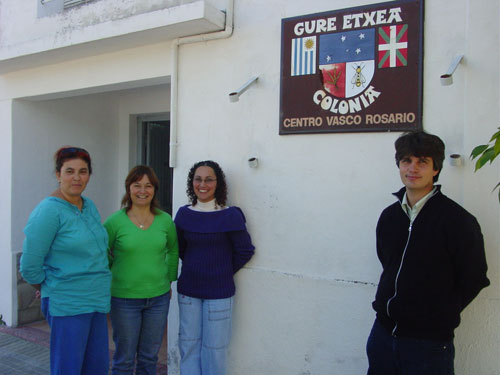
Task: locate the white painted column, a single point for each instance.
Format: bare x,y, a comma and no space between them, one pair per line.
8,299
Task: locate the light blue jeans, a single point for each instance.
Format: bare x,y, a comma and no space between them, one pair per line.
204,334
138,326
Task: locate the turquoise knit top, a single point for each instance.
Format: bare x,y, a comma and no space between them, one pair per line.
65,252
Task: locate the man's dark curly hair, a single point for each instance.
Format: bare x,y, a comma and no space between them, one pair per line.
420,143
220,190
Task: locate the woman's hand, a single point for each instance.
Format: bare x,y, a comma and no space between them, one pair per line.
37,291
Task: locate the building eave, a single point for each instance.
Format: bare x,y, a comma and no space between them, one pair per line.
158,26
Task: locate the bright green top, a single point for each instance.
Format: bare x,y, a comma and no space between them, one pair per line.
143,262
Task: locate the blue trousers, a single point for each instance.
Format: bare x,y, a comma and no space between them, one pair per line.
389,355
204,334
78,343
138,326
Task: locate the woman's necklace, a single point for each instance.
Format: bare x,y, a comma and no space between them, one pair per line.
141,224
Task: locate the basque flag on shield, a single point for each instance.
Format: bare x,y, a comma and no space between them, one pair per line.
393,46
347,61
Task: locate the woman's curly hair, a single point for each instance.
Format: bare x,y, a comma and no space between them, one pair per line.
221,188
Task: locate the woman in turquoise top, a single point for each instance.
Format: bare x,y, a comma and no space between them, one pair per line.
143,257
64,254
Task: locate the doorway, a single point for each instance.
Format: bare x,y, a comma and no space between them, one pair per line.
154,147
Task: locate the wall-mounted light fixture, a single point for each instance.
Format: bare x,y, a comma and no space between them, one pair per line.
455,160
235,96
447,78
253,162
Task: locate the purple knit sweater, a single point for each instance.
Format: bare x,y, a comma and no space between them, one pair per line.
213,246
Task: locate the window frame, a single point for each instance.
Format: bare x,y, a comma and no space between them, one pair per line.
50,7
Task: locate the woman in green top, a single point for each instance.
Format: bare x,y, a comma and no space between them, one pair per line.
144,256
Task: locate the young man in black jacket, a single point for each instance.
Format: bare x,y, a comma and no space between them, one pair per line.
434,265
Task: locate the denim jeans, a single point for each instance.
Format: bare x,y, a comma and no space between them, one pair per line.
138,326
78,343
389,355
204,334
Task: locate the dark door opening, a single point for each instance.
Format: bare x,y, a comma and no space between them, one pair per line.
155,140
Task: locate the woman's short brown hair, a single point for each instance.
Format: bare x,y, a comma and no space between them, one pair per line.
69,153
136,174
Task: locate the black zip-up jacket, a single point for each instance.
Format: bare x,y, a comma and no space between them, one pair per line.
432,269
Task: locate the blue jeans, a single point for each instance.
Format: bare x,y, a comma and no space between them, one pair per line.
389,355
204,334
138,326
78,343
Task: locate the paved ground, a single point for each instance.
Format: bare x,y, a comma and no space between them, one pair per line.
20,354
25,351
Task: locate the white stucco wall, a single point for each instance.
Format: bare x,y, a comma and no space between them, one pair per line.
42,127
100,123
111,25
479,334
95,74
313,203
303,302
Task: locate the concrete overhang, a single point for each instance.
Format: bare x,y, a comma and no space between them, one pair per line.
193,18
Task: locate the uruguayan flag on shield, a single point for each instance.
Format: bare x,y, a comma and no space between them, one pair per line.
303,56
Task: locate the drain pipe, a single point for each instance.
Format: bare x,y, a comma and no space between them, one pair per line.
226,33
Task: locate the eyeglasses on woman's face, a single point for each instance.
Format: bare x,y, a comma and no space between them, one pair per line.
208,180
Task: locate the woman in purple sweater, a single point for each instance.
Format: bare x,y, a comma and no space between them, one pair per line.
213,245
